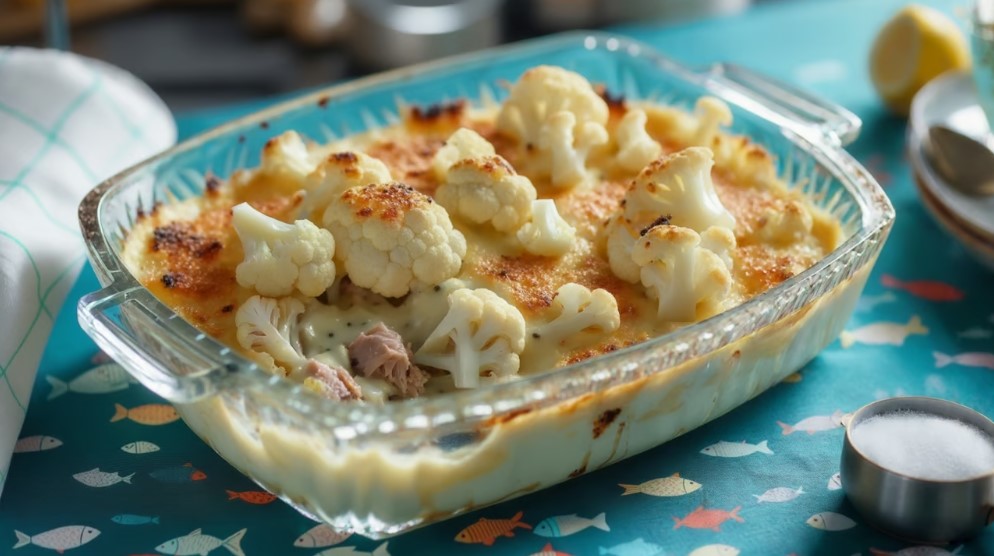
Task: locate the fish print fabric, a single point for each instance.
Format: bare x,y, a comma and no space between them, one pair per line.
762,480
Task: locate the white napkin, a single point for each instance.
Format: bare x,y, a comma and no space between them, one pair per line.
66,123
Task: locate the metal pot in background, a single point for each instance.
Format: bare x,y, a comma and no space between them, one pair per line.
392,33
557,15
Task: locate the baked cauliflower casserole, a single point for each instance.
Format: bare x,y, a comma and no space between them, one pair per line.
466,246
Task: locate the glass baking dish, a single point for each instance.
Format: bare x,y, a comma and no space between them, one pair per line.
384,470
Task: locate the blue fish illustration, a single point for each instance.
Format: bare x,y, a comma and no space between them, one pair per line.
638,547
132,519
182,474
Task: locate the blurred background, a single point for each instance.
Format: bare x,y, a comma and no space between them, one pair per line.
204,53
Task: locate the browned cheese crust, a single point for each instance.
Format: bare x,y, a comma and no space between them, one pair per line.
188,260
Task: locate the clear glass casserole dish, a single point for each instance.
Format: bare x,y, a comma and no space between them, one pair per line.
381,470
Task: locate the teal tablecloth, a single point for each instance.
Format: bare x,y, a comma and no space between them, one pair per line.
772,501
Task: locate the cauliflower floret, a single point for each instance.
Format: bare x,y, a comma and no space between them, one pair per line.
791,223
464,143
575,309
546,234
336,173
481,333
286,155
269,327
750,163
721,242
543,91
569,144
621,236
685,278
711,113
636,148
391,237
535,113
678,185
487,189
281,257
674,189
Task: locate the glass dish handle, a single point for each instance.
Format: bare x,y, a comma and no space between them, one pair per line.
799,108
124,324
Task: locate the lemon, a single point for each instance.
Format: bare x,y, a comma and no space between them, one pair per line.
914,46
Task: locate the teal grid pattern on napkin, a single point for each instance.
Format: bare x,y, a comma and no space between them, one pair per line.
776,494
65,123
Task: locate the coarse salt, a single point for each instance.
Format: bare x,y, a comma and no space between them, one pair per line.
925,446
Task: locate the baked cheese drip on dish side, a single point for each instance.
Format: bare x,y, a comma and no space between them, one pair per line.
468,246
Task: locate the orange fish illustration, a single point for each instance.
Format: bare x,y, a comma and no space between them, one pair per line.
486,531
547,550
148,414
925,289
708,519
251,496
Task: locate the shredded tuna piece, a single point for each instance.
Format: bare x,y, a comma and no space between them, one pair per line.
332,382
380,352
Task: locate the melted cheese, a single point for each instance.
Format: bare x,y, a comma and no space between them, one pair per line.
186,253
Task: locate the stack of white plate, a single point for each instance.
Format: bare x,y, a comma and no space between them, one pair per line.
951,100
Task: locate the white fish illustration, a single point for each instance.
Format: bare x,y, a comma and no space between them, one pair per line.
321,536
835,482
566,525
353,551
36,443
935,384
674,485
97,478
918,551
725,449
880,394
201,544
883,333
869,302
109,377
60,539
715,550
817,423
976,333
140,447
779,494
968,359
830,521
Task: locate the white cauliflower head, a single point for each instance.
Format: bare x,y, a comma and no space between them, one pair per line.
269,327
481,333
546,233
286,155
568,144
558,118
487,189
576,309
786,223
685,278
464,143
281,257
336,173
711,114
675,189
391,237
721,242
543,91
636,148
678,185
751,163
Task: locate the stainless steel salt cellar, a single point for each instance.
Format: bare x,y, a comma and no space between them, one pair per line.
917,510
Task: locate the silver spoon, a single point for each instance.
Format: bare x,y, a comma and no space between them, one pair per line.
963,162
